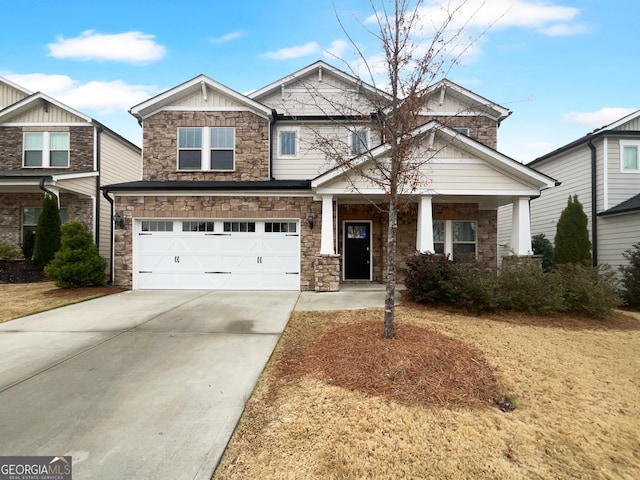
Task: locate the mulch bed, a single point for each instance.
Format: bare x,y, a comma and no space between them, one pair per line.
417,366
20,271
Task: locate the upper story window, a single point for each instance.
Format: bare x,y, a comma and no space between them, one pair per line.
288,142
629,156
209,148
359,141
46,149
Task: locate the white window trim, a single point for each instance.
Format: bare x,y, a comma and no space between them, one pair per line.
205,151
629,143
352,132
280,130
46,150
448,237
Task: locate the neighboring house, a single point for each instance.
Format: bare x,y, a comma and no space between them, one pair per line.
46,146
603,169
236,193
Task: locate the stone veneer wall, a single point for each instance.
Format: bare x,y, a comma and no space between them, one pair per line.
160,145
327,273
218,207
482,129
11,205
80,148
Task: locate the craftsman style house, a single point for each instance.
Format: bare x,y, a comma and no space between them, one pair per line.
237,193
603,169
49,148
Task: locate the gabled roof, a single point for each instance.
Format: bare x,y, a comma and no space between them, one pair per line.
492,157
321,67
169,97
15,85
29,102
628,206
598,132
478,102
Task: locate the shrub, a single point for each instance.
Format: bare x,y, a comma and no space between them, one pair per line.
541,245
425,276
572,236
77,263
9,251
28,243
525,287
586,290
631,277
471,286
47,241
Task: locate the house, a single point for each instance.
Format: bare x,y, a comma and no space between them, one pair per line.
603,169
48,147
236,192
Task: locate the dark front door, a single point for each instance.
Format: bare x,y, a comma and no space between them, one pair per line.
357,251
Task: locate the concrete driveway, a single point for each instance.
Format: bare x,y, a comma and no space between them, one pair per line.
142,384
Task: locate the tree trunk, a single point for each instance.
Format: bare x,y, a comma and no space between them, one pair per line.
389,301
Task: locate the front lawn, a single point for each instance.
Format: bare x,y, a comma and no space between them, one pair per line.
343,405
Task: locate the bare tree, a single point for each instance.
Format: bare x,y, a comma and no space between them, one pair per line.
415,53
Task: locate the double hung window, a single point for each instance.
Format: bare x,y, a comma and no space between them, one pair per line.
359,141
455,237
288,142
46,149
209,148
30,216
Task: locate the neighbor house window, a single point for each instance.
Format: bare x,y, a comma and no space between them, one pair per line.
218,141
288,142
456,238
46,149
359,141
629,156
30,216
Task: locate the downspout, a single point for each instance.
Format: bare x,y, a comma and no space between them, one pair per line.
594,218
105,193
46,190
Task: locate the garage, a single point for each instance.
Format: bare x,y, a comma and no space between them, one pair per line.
216,254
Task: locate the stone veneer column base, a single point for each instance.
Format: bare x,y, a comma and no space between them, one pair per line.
511,261
327,273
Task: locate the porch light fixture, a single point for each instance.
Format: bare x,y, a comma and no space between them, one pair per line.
118,220
310,220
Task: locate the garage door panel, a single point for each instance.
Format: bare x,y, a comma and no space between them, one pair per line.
229,261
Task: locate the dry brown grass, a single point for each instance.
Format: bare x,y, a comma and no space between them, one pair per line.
577,383
21,299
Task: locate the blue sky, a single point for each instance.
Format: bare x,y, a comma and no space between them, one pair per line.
563,67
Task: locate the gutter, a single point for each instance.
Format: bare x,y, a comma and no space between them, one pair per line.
105,193
594,201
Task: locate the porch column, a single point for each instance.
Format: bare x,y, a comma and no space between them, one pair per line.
326,240
521,227
424,238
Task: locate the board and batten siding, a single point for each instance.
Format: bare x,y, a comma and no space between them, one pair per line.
50,115
213,100
9,95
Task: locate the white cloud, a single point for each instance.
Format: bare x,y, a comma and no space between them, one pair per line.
294,52
337,49
565,30
227,37
128,47
101,97
599,118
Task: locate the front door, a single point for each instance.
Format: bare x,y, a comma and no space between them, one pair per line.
357,251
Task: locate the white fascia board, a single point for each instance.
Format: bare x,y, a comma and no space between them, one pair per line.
73,176
15,85
618,123
154,104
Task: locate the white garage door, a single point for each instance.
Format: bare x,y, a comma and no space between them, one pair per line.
217,254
